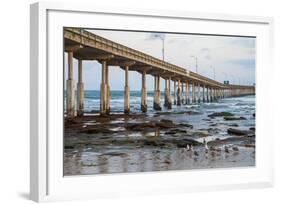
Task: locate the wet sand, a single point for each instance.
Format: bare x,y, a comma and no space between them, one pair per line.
159,141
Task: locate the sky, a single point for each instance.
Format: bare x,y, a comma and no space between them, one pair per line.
219,57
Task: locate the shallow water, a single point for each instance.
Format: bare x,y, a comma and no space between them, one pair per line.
102,156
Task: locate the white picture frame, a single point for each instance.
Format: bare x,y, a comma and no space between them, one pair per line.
46,178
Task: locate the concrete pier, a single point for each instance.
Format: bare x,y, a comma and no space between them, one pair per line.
156,103
83,45
69,87
80,91
126,92
143,93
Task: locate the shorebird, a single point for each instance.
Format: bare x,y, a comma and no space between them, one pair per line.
191,148
206,146
235,149
226,149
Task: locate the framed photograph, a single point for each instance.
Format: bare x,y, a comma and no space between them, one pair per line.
129,102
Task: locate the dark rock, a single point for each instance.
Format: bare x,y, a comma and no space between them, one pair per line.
68,147
234,118
177,130
233,125
165,125
192,113
235,149
185,125
140,126
238,132
250,145
166,121
252,128
178,113
199,134
220,114
171,132
182,143
151,143
97,130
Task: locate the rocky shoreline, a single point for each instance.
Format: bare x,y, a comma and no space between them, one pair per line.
157,132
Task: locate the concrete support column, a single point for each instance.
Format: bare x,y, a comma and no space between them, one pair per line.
215,94
211,94
107,90
103,89
179,93
156,103
193,93
175,92
186,93
203,94
69,88
80,91
127,92
169,88
207,94
182,91
198,93
167,100
143,93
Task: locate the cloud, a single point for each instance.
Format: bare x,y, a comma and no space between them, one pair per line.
245,63
242,42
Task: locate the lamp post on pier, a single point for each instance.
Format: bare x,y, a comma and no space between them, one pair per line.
196,61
